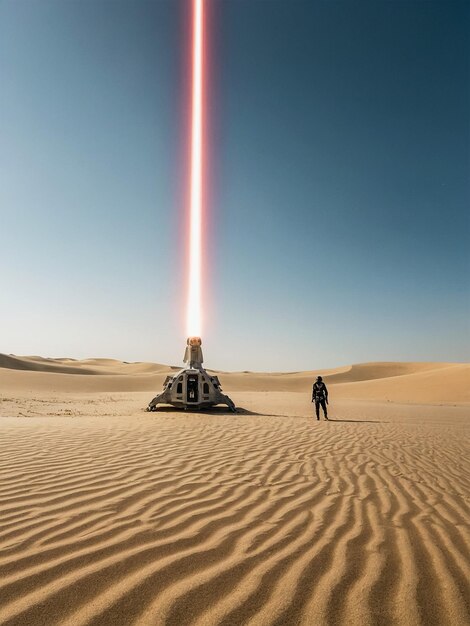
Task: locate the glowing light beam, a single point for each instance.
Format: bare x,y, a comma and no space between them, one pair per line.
194,311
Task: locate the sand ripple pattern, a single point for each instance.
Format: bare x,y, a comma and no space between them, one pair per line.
222,520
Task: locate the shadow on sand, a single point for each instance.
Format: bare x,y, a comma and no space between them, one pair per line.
216,410
223,410
247,412
358,421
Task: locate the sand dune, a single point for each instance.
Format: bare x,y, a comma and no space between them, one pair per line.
404,382
112,516
447,384
73,366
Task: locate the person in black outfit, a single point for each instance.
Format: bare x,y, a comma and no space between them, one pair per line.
320,397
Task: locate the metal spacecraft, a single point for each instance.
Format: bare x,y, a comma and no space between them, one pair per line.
192,387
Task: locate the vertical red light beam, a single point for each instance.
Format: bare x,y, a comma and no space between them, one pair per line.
194,311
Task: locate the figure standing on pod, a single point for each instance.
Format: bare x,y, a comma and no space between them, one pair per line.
320,397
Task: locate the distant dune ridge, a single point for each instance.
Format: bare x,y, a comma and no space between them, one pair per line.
113,516
407,382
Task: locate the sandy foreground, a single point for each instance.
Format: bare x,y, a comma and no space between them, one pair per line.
113,516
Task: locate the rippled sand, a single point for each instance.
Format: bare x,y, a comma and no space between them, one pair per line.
111,516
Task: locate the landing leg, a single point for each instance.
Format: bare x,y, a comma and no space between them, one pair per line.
153,404
230,404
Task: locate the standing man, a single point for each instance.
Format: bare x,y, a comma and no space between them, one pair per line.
320,396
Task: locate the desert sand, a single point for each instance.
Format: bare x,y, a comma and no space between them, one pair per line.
113,516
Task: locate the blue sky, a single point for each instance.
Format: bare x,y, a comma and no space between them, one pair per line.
339,181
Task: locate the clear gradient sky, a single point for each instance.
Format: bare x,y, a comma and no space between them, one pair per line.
339,181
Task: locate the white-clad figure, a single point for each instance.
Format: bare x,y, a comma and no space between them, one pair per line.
193,353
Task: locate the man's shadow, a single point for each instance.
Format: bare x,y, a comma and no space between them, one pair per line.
242,411
358,421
